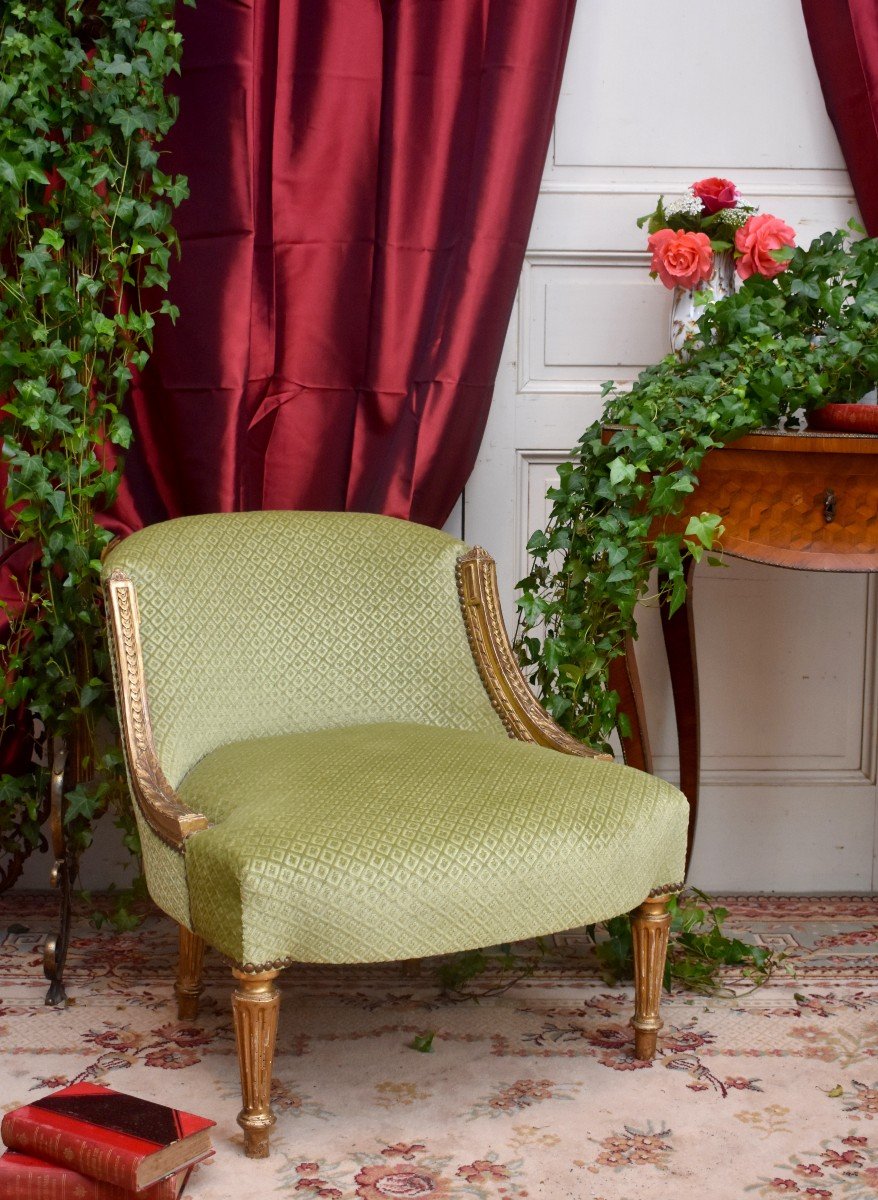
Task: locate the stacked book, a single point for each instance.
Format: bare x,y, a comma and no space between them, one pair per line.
89,1142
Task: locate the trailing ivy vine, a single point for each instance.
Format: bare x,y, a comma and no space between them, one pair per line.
85,242
700,953
800,340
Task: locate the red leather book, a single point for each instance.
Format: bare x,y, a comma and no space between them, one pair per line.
108,1136
23,1177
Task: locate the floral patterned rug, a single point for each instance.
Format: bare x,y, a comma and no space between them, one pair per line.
532,1093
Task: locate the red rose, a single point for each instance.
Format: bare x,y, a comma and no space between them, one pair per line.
681,259
754,243
715,193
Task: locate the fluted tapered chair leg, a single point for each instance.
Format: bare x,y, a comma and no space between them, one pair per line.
650,925
189,969
255,1004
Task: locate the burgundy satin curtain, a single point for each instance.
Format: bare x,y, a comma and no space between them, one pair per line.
844,41
363,175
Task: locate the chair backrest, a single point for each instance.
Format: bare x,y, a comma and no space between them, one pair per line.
261,623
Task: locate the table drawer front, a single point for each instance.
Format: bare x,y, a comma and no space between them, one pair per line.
815,511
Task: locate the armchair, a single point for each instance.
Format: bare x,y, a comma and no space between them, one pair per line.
334,758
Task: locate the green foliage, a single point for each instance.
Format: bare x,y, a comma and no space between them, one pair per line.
697,952
125,908
720,226
800,340
456,974
423,1042
85,244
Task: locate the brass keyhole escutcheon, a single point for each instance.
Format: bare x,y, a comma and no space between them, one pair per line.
829,506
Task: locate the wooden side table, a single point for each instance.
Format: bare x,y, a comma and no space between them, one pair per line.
808,501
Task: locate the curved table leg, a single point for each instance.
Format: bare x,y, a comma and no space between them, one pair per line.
625,680
679,634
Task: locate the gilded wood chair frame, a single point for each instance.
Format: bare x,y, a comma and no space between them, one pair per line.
255,999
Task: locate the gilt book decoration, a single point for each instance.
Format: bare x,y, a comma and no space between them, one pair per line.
23,1177
109,1136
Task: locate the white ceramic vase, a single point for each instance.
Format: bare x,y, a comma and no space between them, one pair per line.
685,310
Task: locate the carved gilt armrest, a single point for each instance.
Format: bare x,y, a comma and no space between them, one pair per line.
162,809
517,706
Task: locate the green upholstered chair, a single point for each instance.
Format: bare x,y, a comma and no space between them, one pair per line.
334,759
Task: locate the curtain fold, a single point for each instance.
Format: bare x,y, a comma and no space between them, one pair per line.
844,42
363,175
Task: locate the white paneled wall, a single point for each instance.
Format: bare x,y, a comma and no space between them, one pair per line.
654,97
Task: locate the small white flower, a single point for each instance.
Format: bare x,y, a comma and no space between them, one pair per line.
736,217
687,205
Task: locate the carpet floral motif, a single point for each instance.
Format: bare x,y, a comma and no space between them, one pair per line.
417,1173
841,1167
649,1147
529,1095
513,1098
862,1100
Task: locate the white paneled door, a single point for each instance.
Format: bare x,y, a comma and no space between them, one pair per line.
656,96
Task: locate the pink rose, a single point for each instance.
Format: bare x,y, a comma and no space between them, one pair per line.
755,241
715,193
681,259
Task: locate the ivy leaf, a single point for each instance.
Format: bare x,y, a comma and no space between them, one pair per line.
90,692
783,254
622,471
36,259
805,287
423,1042
82,802
532,608
57,500
18,172
118,66
128,122
706,528
51,237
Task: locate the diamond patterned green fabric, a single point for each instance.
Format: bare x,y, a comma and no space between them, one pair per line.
399,840
312,691
265,623
165,872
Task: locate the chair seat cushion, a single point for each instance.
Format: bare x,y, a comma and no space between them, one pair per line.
377,842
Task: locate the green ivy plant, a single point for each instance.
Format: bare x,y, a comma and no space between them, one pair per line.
800,340
698,950
85,243
701,956
457,973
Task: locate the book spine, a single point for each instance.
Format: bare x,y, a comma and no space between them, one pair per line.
108,1164
51,1182
46,1184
